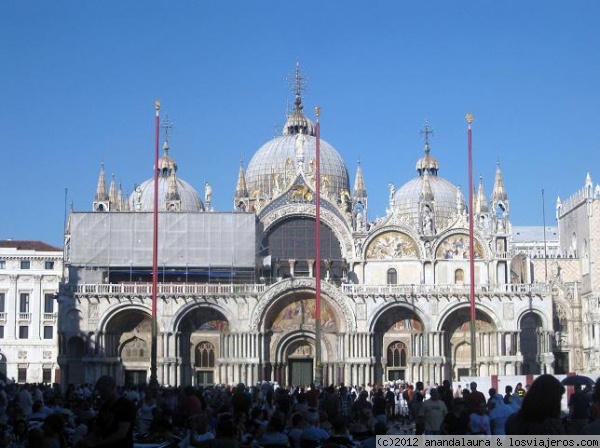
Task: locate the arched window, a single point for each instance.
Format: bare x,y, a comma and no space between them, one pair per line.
205,355
392,277
396,354
459,277
204,363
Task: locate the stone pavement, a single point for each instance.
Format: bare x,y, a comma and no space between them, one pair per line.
401,427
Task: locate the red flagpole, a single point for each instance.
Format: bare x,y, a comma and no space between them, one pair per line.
318,369
153,350
469,118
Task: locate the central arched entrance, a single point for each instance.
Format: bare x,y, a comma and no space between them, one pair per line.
290,340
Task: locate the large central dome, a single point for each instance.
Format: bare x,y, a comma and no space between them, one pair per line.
278,162
274,166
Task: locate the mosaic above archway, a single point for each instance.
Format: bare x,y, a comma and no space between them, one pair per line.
399,319
214,322
392,245
204,319
303,312
456,247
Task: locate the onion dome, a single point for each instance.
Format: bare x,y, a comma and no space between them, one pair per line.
169,187
427,186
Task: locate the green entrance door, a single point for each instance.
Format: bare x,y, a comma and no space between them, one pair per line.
135,377
301,372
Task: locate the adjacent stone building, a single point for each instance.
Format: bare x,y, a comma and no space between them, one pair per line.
30,272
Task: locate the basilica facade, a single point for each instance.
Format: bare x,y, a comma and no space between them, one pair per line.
236,290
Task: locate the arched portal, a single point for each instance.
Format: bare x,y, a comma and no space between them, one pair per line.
290,351
529,341
398,345
456,329
200,348
128,336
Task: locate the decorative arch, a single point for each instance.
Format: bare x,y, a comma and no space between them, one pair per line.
118,308
285,343
464,307
544,320
391,244
184,310
302,287
456,247
404,309
333,221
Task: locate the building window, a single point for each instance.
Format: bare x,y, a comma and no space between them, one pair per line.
25,264
48,331
1,331
23,332
2,264
22,375
205,355
47,376
24,302
396,354
49,265
2,302
392,277
48,303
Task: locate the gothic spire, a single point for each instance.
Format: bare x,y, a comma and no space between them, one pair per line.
101,194
499,193
241,190
360,190
481,203
112,193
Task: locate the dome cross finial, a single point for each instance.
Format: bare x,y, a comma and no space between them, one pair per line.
427,131
166,125
298,83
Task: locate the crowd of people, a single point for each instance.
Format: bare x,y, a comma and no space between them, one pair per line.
269,416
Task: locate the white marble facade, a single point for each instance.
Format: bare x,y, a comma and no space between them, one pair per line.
395,292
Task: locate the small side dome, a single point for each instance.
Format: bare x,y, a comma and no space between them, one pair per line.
445,197
142,198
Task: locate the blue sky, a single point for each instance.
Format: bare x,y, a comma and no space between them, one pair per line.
79,78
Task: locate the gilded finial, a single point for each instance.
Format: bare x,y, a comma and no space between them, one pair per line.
157,105
317,111
469,118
